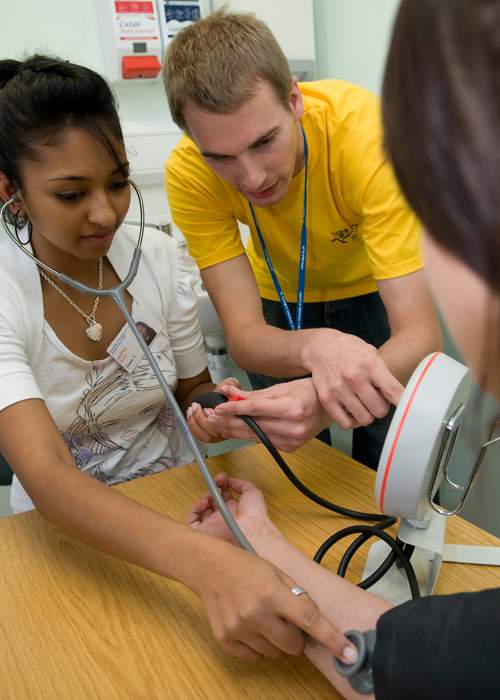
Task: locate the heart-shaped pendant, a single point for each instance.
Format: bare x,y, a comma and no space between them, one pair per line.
94,332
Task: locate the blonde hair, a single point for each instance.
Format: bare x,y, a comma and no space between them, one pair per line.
217,63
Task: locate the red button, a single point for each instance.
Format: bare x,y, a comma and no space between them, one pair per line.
140,67
236,398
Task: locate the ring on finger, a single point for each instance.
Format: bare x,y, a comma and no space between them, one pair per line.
298,590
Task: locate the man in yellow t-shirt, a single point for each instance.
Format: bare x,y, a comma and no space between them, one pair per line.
303,166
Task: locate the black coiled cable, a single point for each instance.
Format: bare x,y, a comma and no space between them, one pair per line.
400,552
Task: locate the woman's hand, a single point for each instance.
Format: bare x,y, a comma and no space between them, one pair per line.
249,602
197,417
249,510
253,612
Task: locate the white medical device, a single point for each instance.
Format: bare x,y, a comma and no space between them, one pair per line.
130,38
413,464
421,437
135,34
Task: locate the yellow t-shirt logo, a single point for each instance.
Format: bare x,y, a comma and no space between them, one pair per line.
346,234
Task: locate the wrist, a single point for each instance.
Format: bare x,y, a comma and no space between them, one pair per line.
262,534
309,343
195,552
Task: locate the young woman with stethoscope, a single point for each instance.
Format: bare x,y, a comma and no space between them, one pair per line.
80,408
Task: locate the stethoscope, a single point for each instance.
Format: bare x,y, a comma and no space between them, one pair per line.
117,294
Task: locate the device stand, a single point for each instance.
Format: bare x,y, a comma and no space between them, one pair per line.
430,551
428,539
471,554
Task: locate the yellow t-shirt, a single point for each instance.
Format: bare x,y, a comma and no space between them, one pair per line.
359,228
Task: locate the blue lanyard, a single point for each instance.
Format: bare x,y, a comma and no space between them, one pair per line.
297,324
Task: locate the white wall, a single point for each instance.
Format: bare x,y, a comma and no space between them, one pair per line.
292,22
352,38
68,27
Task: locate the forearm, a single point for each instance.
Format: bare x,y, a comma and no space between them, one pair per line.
260,347
347,606
406,347
111,522
255,345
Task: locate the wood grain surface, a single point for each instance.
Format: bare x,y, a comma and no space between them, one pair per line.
77,624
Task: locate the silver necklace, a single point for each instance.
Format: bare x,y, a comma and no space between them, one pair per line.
94,329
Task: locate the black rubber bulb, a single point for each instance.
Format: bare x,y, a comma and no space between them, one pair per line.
210,399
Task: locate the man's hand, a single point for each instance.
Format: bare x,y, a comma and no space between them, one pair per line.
289,413
350,385
353,383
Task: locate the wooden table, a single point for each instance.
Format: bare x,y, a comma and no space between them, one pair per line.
77,624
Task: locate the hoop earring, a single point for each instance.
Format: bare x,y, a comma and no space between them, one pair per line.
19,223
